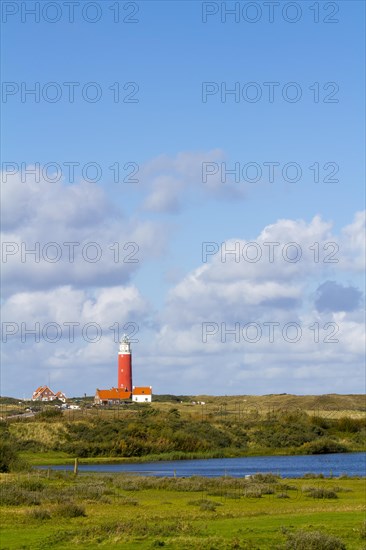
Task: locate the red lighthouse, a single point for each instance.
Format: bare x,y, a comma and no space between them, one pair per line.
125,365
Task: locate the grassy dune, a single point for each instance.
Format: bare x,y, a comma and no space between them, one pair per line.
177,429
121,511
174,428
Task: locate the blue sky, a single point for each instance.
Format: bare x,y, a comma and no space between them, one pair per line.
170,133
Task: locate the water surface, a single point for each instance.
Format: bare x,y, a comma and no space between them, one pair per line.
336,464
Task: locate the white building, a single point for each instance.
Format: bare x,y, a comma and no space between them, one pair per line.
142,394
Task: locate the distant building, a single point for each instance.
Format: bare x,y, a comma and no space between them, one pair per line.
44,393
111,397
142,394
61,396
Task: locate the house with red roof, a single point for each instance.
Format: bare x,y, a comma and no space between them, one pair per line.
142,394
113,396
61,396
44,393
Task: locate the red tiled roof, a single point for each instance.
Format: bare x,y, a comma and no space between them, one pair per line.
142,390
114,393
42,389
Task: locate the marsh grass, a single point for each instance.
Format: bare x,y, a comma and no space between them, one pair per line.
13,495
91,510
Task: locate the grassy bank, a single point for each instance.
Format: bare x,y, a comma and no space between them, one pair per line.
151,433
60,458
125,511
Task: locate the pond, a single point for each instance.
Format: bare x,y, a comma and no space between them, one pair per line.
352,464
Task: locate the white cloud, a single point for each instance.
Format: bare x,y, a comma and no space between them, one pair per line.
48,217
71,333
230,287
353,243
173,180
210,308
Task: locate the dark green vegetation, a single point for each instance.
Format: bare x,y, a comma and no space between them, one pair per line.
54,510
144,431
9,457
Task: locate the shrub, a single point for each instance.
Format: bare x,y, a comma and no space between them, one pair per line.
320,492
9,459
323,446
282,495
50,414
12,495
39,513
70,510
350,425
205,504
128,501
31,485
313,540
253,492
208,505
320,422
265,478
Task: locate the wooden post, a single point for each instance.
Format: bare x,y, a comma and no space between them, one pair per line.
76,465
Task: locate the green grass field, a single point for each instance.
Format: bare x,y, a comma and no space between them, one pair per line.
124,511
57,510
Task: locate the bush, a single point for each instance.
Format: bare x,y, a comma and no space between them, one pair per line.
350,425
323,446
205,504
208,506
12,495
265,478
9,459
128,501
313,540
50,414
70,510
39,513
253,492
320,492
31,485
